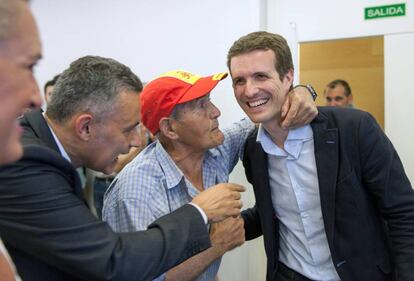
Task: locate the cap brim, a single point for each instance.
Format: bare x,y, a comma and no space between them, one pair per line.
202,87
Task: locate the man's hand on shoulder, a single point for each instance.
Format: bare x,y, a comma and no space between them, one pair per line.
299,108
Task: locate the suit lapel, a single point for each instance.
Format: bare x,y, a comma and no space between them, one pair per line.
37,123
326,156
260,176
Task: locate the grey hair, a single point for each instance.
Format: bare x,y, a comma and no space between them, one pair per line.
175,114
178,109
90,84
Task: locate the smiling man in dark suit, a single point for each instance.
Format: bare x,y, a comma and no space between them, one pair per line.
332,199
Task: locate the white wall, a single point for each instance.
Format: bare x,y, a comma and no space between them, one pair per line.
399,96
153,37
325,19
301,21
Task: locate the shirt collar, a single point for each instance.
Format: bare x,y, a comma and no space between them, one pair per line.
213,152
59,144
293,144
173,174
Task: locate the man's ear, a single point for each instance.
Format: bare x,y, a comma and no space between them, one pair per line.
167,128
288,79
350,99
83,126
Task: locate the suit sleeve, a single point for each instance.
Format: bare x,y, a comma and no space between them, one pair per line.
252,225
383,174
41,215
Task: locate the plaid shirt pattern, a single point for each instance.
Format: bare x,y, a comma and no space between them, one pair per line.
151,185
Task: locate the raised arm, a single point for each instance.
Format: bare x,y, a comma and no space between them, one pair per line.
299,108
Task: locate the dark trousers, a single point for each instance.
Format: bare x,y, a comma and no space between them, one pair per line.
99,187
284,273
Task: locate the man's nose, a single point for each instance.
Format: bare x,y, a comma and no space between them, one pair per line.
251,88
214,111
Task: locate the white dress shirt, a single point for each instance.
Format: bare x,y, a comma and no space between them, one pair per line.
293,179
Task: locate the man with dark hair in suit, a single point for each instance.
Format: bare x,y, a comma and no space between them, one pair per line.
332,199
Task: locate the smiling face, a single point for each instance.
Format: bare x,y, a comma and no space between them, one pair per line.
19,52
196,125
258,88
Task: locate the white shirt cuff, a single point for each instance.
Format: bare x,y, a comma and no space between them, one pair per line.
200,211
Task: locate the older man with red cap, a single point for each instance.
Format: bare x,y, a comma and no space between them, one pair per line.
190,155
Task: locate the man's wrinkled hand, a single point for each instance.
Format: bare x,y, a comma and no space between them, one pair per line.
228,234
220,201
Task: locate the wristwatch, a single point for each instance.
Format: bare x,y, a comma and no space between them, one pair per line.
310,89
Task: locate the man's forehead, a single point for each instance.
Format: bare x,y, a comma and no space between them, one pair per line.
127,107
197,101
338,90
23,42
255,61
253,54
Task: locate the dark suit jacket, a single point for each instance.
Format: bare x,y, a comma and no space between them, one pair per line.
366,199
52,235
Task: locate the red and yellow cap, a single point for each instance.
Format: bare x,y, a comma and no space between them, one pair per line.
162,94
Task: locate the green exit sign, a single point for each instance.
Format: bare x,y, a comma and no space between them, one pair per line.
395,10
